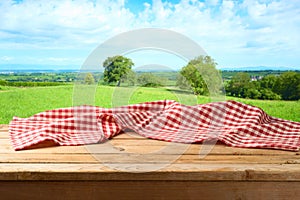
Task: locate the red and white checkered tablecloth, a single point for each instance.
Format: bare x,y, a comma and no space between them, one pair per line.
233,123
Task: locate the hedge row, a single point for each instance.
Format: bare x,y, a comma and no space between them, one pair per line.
29,84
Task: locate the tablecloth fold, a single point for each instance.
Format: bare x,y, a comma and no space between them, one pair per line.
231,122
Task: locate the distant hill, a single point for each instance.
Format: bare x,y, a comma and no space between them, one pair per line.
36,67
148,68
260,68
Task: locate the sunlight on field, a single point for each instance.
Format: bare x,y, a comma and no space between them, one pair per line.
24,102
289,110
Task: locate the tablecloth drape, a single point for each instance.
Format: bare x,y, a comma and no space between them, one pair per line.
233,123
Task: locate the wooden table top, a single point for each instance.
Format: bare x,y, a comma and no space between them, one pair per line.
155,160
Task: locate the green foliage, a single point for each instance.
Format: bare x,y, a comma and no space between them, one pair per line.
285,86
269,82
39,77
89,79
150,80
24,102
129,78
268,94
258,74
288,85
239,84
201,75
183,83
3,82
116,67
277,108
30,84
252,93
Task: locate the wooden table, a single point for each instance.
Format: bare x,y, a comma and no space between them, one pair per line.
98,172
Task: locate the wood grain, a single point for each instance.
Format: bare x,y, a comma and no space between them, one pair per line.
162,170
145,158
172,172
150,190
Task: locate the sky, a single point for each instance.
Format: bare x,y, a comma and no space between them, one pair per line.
235,33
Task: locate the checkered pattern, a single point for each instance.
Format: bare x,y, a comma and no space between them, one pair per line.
231,122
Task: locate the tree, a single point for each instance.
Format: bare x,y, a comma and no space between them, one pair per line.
89,79
3,82
150,80
288,86
267,93
268,81
129,78
201,75
252,93
239,84
115,68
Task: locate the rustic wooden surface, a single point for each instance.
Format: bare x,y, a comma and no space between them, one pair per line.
105,171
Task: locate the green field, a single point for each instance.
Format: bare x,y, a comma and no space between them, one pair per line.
24,102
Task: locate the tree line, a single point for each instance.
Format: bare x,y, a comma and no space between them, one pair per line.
118,69
39,77
201,76
271,87
29,84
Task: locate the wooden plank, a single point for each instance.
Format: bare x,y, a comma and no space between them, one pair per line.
150,190
4,131
128,148
4,135
3,127
145,146
172,172
152,145
126,152
145,158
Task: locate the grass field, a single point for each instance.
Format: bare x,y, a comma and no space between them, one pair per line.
24,102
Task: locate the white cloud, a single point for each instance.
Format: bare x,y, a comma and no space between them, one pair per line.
6,58
223,28
62,24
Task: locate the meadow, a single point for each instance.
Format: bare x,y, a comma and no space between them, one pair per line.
24,102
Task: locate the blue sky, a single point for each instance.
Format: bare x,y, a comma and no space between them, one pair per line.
62,33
